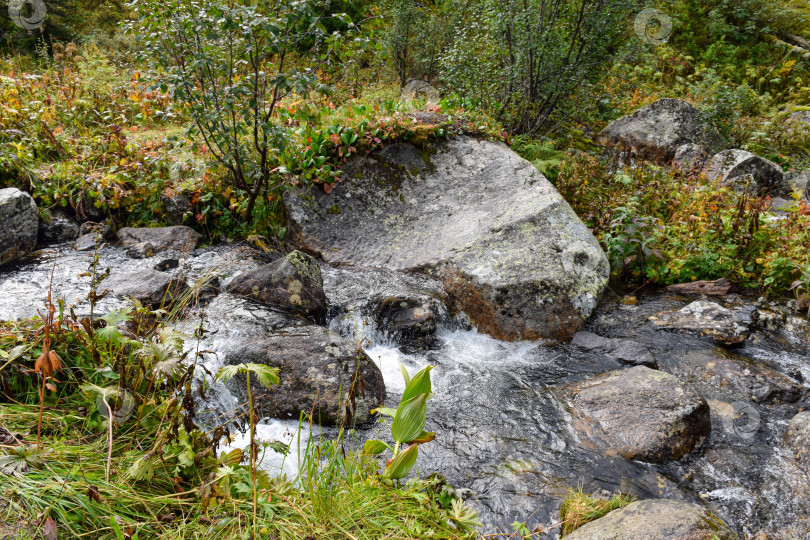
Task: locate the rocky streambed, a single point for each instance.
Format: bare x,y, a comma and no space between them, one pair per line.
464,257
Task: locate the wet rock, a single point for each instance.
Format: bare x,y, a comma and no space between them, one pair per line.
655,132
318,370
641,413
167,264
509,250
797,438
625,351
293,282
86,242
690,157
18,233
149,287
718,287
706,319
655,519
176,238
410,321
56,228
746,171
735,376
141,250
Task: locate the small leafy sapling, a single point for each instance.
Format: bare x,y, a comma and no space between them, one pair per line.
408,427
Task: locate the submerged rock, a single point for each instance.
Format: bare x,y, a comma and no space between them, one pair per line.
746,171
293,282
149,287
655,132
797,439
509,250
706,319
625,351
176,238
641,413
319,372
655,519
18,216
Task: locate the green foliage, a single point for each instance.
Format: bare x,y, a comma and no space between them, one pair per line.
667,227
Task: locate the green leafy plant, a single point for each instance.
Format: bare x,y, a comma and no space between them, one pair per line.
408,426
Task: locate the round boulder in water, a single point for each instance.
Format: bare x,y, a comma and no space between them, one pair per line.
655,519
293,282
18,233
177,238
510,251
640,413
321,374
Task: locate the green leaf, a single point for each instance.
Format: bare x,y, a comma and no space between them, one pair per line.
265,375
403,463
422,438
375,447
387,411
410,419
419,384
404,373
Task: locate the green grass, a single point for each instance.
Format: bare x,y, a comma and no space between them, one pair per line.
579,508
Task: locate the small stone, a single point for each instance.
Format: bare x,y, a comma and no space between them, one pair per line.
177,238
142,250
167,264
706,319
87,242
622,350
797,438
147,286
57,228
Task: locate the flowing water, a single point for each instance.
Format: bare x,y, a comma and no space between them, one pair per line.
504,432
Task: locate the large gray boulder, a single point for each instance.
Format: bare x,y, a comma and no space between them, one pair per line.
655,132
18,232
655,519
321,373
292,282
176,238
743,170
509,250
640,413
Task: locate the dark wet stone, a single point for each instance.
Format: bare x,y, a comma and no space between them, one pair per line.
176,238
622,350
318,370
18,216
293,282
509,250
656,519
147,286
167,264
410,321
56,229
640,413
706,319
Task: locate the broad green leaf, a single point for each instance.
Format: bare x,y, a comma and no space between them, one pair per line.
403,463
422,438
410,419
234,457
375,447
419,384
405,374
387,411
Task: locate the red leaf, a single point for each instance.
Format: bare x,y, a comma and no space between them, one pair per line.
48,530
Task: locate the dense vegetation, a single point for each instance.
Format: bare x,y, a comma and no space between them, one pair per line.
127,112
